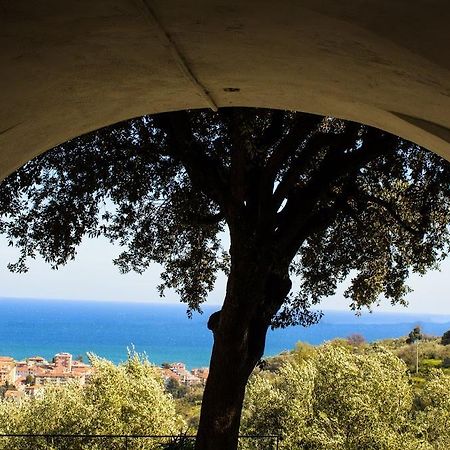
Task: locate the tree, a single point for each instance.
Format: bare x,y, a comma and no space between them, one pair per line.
124,399
356,340
304,197
176,389
434,415
414,337
327,401
445,340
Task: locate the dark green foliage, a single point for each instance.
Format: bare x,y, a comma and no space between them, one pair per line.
182,442
414,335
446,338
333,198
176,389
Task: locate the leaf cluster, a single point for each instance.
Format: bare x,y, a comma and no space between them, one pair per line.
338,399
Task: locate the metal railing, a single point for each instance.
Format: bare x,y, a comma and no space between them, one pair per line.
123,442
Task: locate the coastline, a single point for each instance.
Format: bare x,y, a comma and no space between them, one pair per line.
164,333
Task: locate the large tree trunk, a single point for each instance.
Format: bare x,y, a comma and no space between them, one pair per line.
239,330
230,369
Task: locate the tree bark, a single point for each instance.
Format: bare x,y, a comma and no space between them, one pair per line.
239,331
222,402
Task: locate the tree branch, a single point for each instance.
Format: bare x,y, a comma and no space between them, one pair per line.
241,150
208,174
302,127
388,207
302,202
319,140
273,132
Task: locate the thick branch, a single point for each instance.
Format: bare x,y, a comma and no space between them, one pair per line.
319,140
303,126
248,192
390,208
302,202
321,219
204,171
273,133
240,153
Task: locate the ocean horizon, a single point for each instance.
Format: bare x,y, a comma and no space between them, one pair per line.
44,327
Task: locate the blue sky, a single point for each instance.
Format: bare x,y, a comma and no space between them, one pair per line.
92,276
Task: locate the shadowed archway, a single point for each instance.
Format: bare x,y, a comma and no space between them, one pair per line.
72,67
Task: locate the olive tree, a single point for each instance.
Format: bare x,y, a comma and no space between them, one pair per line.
304,198
335,399
445,340
433,418
126,399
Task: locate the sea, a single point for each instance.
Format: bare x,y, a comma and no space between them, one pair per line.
36,327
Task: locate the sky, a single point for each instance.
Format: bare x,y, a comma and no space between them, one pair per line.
93,276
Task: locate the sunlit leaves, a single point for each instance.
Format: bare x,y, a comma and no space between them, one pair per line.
337,399
124,399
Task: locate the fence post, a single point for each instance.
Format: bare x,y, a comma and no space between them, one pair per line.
126,442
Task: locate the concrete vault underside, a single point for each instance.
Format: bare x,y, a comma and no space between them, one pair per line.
69,67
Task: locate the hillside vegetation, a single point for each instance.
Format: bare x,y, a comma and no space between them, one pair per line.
336,396
345,394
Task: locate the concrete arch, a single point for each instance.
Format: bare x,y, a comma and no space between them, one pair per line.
74,66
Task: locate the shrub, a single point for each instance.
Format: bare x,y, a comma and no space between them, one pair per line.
124,399
445,340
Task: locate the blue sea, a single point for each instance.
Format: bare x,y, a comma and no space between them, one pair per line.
30,327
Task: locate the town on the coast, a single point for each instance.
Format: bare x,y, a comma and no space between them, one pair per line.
30,376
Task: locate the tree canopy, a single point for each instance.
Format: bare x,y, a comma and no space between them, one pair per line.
338,198
304,198
338,399
446,338
414,335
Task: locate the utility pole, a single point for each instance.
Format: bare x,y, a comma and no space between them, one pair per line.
417,356
413,338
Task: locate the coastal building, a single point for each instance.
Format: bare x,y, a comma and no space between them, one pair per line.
168,375
7,370
12,394
36,361
83,371
61,371
34,391
57,377
185,376
23,369
201,373
178,371
63,361
29,376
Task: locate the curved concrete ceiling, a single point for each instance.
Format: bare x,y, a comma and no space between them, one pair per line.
69,67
